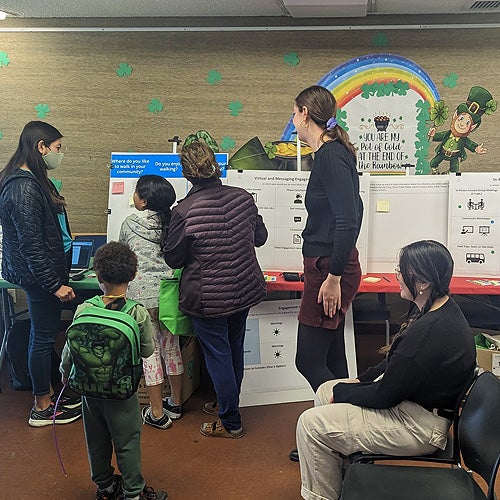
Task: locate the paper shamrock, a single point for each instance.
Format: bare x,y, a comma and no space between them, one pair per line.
227,143
341,116
291,59
438,113
1,135
124,69
235,107
214,77
450,80
4,59
155,106
42,110
380,40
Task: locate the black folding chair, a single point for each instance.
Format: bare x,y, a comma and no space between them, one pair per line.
479,443
450,455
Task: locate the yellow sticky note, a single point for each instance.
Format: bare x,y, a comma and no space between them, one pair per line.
131,201
383,206
118,187
371,279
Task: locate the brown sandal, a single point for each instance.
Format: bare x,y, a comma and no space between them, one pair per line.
216,429
212,408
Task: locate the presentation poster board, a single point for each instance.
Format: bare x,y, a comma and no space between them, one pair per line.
473,230
270,344
279,196
403,209
125,170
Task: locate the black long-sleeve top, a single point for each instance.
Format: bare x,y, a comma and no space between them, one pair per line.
334,207
428,364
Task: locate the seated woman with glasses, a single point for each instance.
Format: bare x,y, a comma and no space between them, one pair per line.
403,405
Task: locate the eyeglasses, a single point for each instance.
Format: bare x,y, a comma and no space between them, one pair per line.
397,271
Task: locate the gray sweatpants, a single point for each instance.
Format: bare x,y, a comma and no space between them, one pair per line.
327,431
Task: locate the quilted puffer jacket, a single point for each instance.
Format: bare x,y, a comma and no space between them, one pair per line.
33,252
212,234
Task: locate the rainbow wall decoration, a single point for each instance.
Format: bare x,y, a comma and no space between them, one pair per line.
383,102
346,81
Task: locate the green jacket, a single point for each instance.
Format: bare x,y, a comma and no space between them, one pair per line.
462,143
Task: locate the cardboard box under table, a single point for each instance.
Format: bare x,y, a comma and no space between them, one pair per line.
191,376
489,359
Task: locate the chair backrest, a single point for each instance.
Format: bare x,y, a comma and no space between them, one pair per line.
479,429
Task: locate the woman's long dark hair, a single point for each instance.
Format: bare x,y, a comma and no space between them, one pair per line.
159,195
27,154
425,261
322,106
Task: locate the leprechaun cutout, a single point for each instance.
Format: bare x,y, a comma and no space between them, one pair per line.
454,142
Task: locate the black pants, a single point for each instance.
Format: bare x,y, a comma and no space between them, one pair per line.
321,354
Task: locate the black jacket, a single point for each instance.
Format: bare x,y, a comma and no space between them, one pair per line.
32,244
212,234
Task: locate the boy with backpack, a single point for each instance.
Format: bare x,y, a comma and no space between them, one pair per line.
101,361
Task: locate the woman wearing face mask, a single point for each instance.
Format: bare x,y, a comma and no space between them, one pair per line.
36,256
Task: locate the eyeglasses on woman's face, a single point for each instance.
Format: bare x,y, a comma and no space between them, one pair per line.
397,271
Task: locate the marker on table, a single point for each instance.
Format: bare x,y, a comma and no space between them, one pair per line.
386,279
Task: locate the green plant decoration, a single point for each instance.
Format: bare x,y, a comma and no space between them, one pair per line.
422,144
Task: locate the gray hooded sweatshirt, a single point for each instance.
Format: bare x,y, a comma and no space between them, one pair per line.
141,231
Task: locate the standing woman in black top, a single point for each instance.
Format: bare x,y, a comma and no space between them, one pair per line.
331,267
36,256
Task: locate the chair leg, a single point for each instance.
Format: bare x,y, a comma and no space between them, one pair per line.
387,332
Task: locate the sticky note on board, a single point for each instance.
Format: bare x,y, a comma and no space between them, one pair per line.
131,201
118,187
383,206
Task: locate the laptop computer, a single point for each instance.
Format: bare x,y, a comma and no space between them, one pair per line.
97,240
80,261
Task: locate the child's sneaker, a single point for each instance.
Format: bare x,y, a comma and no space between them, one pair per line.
149,493
147,417
116,492
173,411
67,401
40,418
212,408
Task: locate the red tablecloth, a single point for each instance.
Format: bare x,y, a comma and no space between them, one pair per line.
388,284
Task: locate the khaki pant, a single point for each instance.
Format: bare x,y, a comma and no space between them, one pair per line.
328,431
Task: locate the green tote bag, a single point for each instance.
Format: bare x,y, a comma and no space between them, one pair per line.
171,317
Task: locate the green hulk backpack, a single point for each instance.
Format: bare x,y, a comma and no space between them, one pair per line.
105,349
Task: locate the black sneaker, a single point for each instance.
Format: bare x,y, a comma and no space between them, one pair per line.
147,417
149,493
116,492
47,417
67,401
174,412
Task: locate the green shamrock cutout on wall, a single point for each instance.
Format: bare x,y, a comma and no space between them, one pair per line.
1,135
227,143
380,40
341,116
124,69
214,77
235,107
155,106
42,110
450,80
4,59
438,113
291,59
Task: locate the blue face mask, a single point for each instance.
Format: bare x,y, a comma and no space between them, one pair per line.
53,160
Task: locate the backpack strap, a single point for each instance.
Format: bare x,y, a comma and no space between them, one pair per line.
97,301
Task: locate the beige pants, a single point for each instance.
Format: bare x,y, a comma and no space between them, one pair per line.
327,431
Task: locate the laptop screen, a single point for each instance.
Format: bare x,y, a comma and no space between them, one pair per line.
82,251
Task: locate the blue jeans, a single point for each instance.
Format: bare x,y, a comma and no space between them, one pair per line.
45,312
221,340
